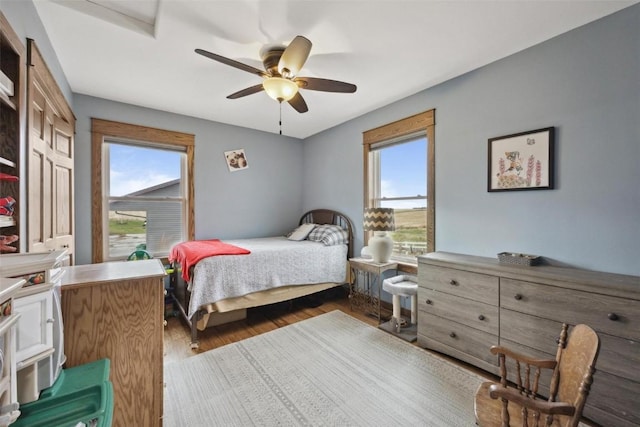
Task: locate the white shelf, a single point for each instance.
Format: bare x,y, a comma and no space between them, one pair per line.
4,98
27,263
7,162
6,85
8,287
10,223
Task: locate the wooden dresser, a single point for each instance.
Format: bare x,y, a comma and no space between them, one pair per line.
468,303
115,310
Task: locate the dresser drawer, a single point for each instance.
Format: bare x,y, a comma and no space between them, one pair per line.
618,356
531,331
460,337
475,286
478,315
611,315
614,396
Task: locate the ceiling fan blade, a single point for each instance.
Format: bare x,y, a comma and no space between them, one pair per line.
298,103
294,57
244,92
231,62
325,85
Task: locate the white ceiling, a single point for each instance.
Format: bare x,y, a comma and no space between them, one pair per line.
142,52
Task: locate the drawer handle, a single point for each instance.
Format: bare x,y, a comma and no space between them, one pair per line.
613,316
481,317
452,335
453,282
429,302
50,320
518,297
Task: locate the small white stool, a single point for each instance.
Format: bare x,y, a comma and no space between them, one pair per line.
402,286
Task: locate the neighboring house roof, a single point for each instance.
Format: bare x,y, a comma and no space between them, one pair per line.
156,188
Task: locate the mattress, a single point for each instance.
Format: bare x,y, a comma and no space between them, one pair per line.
273,262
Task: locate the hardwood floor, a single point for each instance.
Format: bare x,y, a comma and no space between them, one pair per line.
259,320
177,336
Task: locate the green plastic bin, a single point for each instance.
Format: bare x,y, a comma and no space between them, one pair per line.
78,378
92,406
82,394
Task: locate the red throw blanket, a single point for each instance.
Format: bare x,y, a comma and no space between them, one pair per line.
189,253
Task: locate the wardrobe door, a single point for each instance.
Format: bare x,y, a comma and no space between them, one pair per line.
50,130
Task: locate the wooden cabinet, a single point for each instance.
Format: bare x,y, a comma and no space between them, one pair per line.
530,305
50,133
11,88
115,310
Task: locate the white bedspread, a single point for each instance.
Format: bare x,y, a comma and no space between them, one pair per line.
273,262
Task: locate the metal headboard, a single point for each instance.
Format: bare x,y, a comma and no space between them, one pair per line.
328,216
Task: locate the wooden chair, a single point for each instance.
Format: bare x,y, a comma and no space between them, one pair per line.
518,403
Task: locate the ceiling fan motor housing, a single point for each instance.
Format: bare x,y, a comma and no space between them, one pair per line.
270,59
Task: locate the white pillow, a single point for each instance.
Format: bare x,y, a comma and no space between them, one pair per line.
301,232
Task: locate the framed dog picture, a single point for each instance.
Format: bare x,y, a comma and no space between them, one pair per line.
523,161
236,160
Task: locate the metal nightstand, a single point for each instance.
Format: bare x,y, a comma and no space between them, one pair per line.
366,284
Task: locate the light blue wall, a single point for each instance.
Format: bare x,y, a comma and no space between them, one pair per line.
24,20
263,200
586,83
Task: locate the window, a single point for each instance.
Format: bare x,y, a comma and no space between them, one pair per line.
399,174
144,187
145,198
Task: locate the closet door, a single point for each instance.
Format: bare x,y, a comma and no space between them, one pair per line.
40,190
63,185
51,127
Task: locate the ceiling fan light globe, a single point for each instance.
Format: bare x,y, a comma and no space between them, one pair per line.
280,89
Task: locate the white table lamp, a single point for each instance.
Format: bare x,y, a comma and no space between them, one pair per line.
379,220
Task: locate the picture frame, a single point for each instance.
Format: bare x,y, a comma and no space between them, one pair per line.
522,161
236,160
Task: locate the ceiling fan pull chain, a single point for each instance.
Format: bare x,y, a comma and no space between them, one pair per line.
280,122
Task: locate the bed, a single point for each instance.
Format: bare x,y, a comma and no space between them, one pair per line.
217,289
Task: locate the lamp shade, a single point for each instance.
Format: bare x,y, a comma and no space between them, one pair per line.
280,89
378,219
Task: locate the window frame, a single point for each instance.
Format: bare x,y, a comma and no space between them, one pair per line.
422,124
105,131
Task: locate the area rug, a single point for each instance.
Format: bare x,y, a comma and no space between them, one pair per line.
330,370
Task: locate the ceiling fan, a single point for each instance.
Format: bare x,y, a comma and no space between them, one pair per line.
280,78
